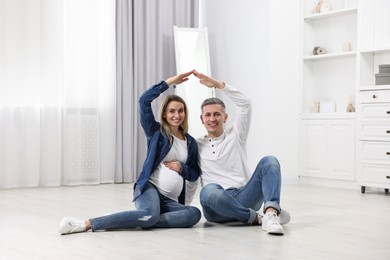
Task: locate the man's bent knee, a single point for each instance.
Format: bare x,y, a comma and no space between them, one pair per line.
210,191
269,160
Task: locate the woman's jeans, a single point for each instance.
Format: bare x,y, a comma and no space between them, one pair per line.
220,205
153,210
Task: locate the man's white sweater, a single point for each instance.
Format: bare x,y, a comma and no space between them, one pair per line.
223,160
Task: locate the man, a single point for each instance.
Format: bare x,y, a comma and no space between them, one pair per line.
229,192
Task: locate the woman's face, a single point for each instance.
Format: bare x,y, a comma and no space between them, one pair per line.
174,114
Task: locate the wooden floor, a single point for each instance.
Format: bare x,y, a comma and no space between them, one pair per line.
327,223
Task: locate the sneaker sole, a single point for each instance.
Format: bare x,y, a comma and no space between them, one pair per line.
275,232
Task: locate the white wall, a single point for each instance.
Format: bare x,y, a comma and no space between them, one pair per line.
254,47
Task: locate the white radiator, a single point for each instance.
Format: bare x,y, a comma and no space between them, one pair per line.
81,146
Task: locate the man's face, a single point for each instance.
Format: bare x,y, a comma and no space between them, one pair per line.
213,117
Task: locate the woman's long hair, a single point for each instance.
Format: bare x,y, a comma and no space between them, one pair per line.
164,124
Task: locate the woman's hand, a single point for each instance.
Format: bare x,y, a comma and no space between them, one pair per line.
173,165
208,81
178,79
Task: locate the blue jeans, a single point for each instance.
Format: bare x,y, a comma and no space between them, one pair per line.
220,205
153,210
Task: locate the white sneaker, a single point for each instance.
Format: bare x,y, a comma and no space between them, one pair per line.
270,224
284,217
72,225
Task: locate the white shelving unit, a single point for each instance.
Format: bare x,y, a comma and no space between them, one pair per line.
330,76
330,143
328,139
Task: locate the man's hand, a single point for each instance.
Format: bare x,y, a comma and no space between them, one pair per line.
178,79
208,81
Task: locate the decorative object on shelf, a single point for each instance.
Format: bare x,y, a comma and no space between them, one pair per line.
327,106
384,68
318,7
351,107
383,77
317,50
325,7
321,51
316,107
322,7
347,46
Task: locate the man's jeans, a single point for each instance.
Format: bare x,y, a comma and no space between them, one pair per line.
153,210
241,204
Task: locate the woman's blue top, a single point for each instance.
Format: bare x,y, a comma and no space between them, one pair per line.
158,144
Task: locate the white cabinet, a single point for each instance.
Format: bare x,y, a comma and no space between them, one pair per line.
328,148
373,132
373,110
340,76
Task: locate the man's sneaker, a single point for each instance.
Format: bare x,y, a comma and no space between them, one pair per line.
284,217
270,223
72,225
258,218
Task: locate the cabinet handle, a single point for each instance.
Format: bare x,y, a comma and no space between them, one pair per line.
388,153
374,96
388,112
388,131
387,177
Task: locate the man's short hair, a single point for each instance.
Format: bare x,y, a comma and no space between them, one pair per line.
212,101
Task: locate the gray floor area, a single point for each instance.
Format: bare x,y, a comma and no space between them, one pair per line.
327,223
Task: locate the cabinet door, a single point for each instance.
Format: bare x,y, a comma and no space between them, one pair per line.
313,148
341,149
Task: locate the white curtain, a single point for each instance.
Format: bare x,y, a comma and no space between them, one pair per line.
57,92
145,56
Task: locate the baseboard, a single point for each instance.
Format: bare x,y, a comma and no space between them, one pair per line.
353,185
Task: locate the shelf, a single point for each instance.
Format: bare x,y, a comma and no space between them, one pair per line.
374,87
328,115
376,50
340,12
330,55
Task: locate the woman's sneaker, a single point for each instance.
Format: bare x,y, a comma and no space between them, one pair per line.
271,224
72,225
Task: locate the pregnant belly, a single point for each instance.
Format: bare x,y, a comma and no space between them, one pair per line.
169,182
